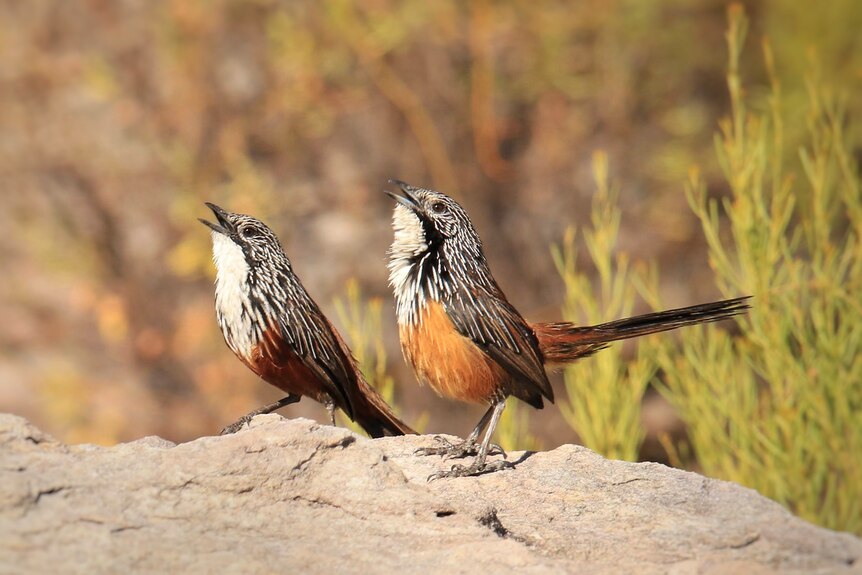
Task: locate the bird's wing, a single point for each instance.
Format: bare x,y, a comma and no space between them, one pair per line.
312,340
489,320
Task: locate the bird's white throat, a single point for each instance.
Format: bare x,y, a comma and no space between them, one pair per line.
408,246
232,300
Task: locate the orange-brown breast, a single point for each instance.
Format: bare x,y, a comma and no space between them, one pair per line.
447,361
276,363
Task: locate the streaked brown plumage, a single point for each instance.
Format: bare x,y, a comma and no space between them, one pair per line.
463,337
274,327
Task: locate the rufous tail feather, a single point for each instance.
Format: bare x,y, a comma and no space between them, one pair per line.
563,342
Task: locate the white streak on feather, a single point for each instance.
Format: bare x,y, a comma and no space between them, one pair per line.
408,244
232,297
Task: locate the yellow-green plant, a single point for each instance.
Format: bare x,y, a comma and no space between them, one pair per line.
605,391
363,332
513,430
779,407
361,319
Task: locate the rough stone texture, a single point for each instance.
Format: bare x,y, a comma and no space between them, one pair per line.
295,496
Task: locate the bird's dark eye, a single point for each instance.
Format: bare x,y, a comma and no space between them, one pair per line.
249,232
438,207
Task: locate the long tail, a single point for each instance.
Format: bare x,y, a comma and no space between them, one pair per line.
563,342
370,410
375,416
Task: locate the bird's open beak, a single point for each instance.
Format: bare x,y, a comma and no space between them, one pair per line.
408,200
224,226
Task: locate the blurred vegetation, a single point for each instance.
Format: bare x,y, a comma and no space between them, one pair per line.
120,118
513,430
363,333
778,408
604,392
776,404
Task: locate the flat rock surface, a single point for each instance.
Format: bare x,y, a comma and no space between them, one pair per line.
294,496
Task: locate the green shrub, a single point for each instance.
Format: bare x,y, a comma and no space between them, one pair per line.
363,334
604,392
778,408
513,430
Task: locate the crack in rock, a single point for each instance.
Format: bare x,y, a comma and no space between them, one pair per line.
627,481
301,465
122,528
490,520
747,540
43,492
316,502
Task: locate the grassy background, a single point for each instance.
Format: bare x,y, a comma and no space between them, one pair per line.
120,118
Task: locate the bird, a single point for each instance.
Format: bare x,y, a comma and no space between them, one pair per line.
463,337
277,330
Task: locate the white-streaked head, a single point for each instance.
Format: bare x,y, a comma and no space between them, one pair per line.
433,239
252,274
257,243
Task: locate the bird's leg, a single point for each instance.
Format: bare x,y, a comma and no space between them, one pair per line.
479,467
330,408
462,449
239,423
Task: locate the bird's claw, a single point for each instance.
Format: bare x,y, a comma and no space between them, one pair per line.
473,470
448,449
465,449
235,426
495,449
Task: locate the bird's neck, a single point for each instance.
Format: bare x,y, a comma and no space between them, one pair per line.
414,281
248,300
233,301
432,275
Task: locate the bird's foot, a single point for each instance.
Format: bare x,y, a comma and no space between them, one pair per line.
451,450
476,468
240,423
237,425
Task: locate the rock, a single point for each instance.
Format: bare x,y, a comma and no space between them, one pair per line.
295,496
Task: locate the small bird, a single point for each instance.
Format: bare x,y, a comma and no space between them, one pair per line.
274,327
463,337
